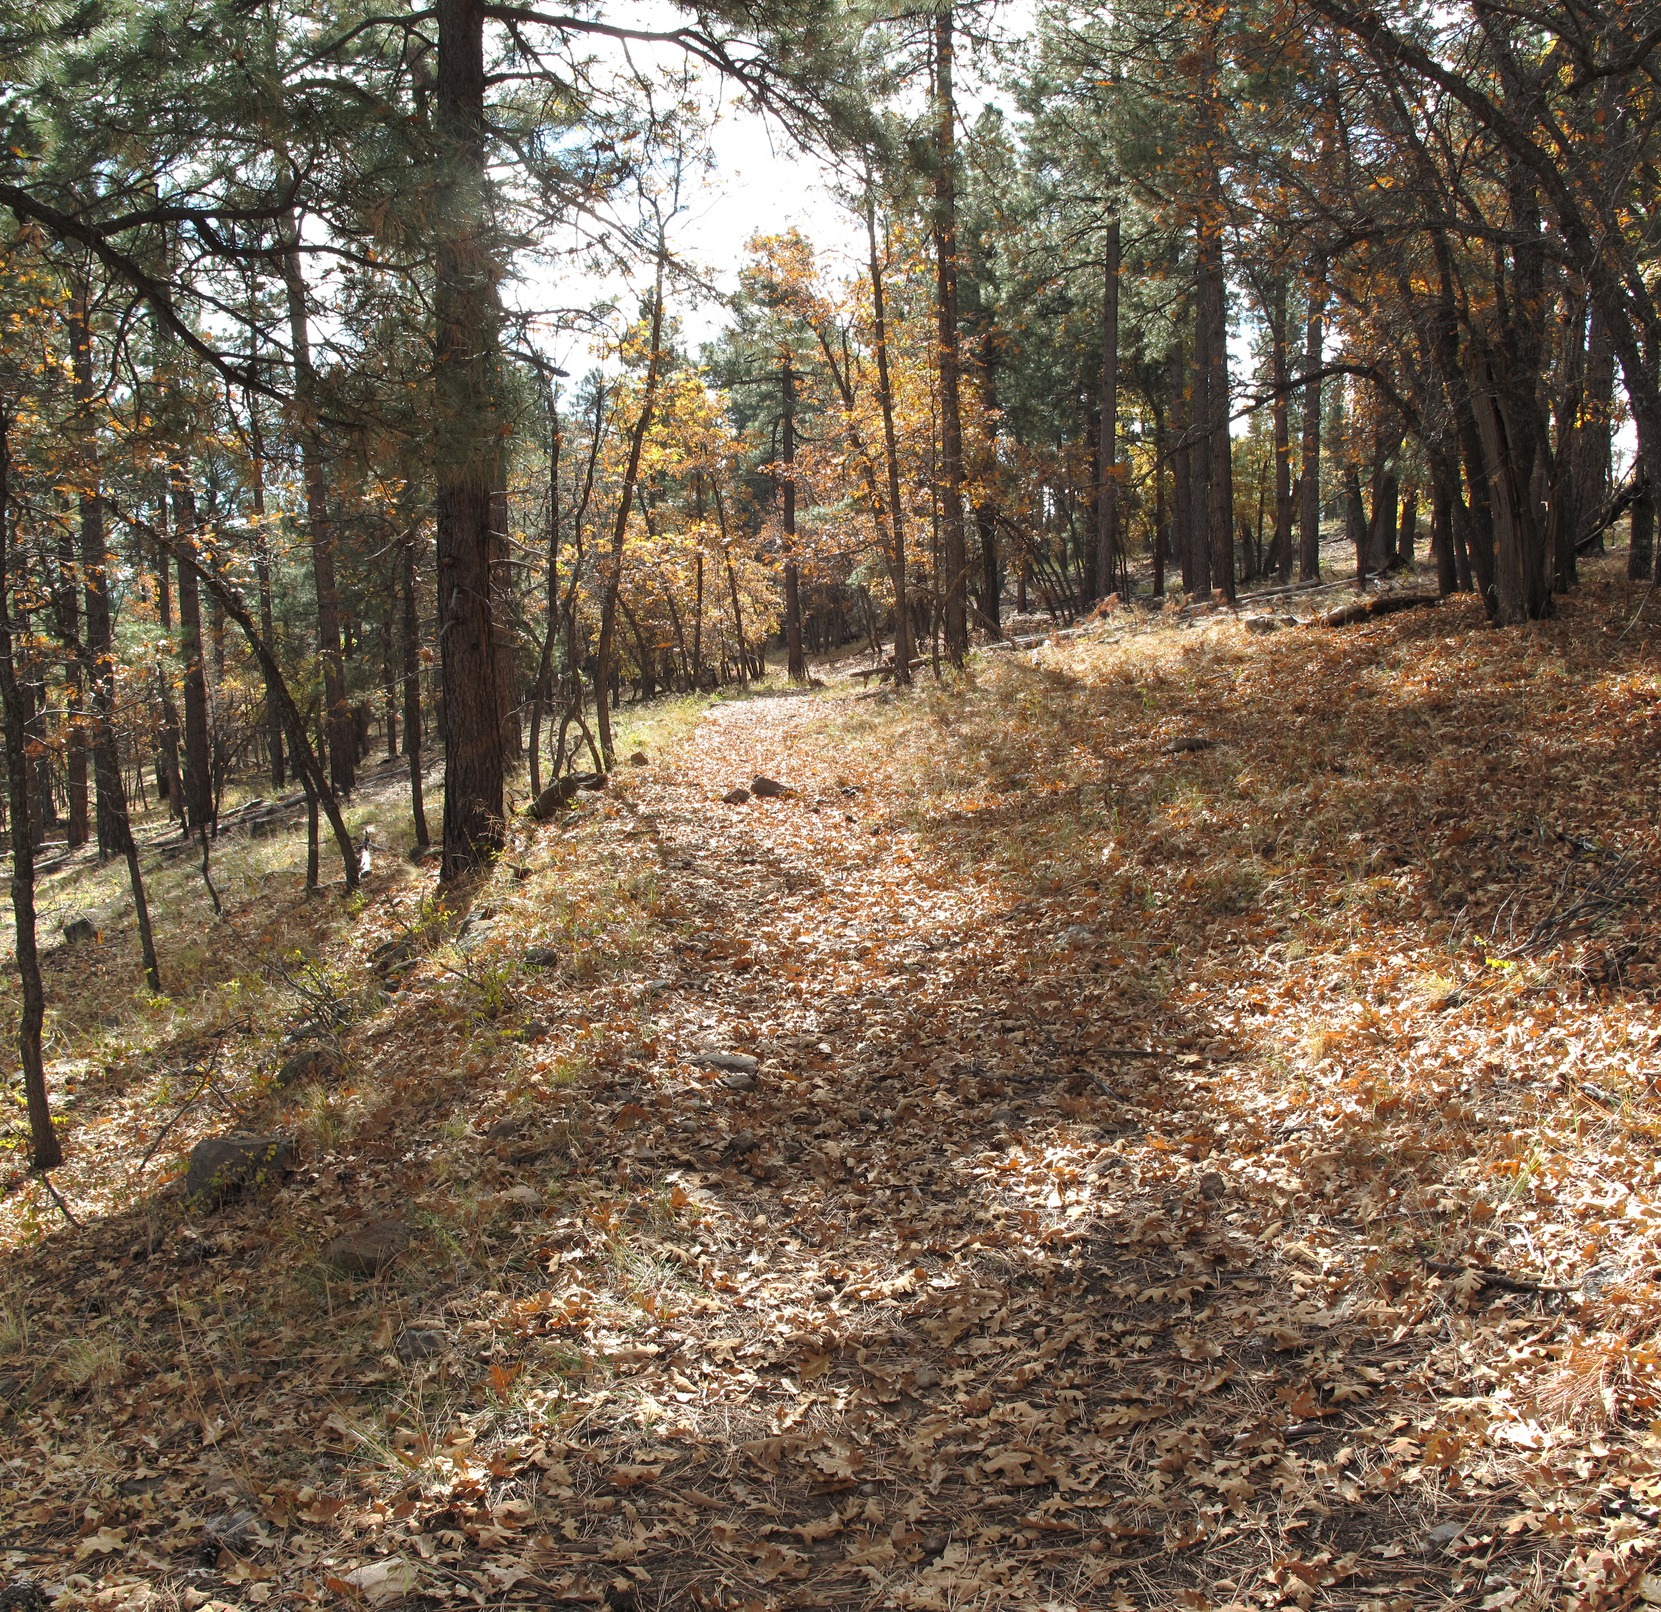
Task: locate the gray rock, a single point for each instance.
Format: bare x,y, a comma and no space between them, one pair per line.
367,1250
740,1063
79,930
309,1063
420,1343
770,789
223,1166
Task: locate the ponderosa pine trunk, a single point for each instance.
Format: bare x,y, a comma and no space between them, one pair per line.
953,548
45,1150
467,446
115,830
795,662
198,764
891,454
1107,447
1281,550
342,732
1309,515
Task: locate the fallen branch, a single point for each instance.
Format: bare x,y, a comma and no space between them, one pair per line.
1383,604
1496,1279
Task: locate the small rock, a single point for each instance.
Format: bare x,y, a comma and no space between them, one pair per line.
367,1250
1444,1533
770,789
739,1080
638,759
541,957
420,1343
78,930
309,1063
740,1063
222,1166
736,797
1213,1186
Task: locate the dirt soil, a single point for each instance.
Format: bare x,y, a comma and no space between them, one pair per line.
1167,1121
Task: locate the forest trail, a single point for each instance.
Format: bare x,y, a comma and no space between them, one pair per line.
1046,1160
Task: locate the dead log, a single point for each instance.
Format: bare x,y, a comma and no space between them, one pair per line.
1383,604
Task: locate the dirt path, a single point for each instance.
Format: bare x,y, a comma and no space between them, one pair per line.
806,1210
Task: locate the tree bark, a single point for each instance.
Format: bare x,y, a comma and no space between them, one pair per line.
198,769
891,453
115,831
412,693
1281,549
606,649
466,447
343,751
796,663
46,1152
1107,448
1309,517
953,548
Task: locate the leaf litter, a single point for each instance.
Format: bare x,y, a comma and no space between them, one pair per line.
1030,1165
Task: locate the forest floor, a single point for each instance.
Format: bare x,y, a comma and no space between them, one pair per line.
1202,1149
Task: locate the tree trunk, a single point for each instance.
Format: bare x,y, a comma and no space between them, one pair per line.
1107,448
466,447
1199,455
1181,468
796,664
342,731
115,832
604,654
1309,517
46,1152
412,693
891,453
262,573
198,770
1281,549
954,556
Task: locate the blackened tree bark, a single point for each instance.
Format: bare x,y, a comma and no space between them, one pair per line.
412,691
46,1152
466,446
198,767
